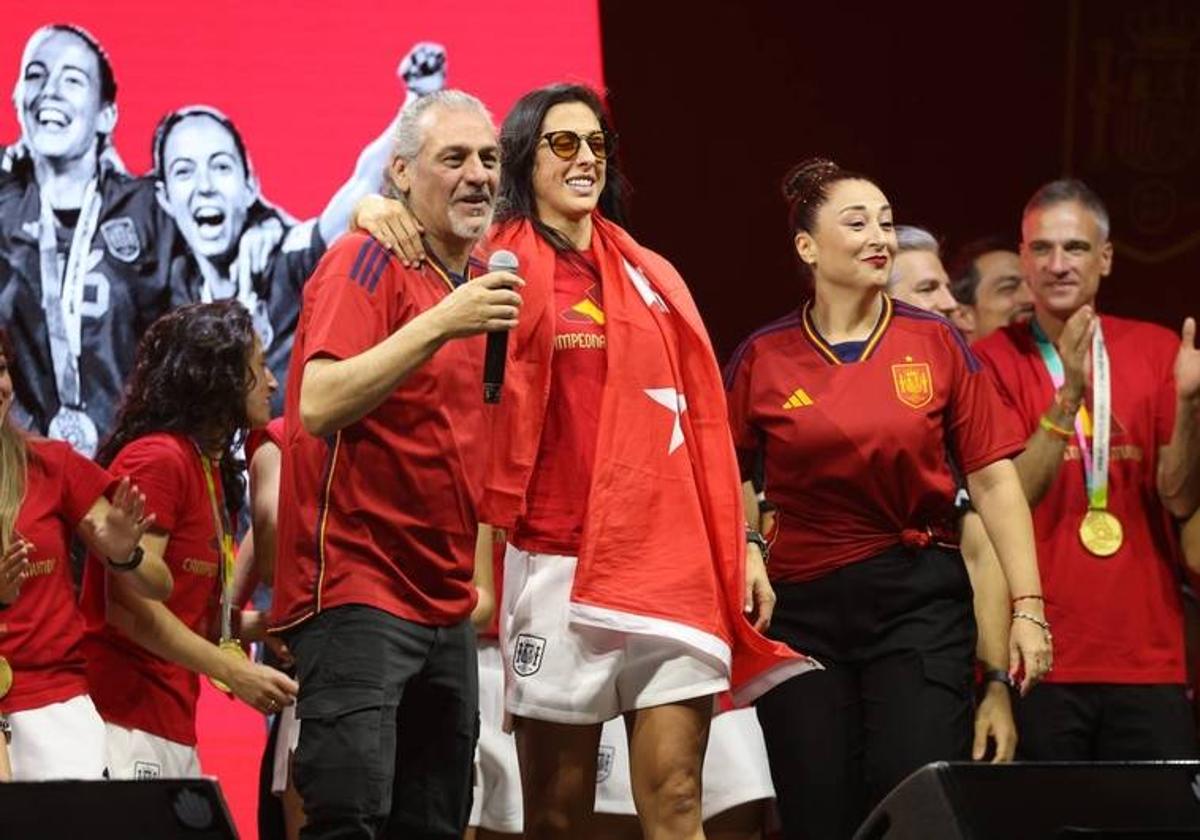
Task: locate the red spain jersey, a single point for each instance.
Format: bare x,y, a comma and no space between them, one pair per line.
383,512
1116,619
131,686
41,633
856,453
562,475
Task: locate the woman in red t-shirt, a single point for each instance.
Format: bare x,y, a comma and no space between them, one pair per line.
199,382
48,495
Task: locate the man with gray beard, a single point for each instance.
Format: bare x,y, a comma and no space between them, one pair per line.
381,467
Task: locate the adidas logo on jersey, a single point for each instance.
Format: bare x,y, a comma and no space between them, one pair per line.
798,399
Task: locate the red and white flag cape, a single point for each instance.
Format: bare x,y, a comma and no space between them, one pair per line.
663,549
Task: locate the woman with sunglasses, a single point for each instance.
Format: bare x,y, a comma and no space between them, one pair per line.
199,382
625,578
857,405
50,494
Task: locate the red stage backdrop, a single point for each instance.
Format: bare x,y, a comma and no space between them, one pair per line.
308,84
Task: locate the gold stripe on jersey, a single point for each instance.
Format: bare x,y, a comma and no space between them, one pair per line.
872,341
321,526
798,399
442,273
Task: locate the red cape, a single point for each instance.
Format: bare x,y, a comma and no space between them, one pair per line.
663,550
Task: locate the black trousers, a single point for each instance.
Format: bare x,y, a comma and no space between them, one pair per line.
1105,722
389,714
896,634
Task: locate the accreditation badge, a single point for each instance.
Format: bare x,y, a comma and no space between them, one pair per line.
233,649
1101,533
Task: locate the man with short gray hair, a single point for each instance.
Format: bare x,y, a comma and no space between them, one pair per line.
918,277
380,472
1110,409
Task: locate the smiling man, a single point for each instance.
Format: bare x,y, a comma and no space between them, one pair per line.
377,497
985,278
1109,406
84,239
918,276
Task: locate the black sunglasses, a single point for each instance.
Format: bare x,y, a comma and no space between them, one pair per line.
565,144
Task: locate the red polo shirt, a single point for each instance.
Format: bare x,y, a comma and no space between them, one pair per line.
856,453
381,513
1116,619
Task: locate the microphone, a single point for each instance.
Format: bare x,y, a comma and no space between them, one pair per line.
497,342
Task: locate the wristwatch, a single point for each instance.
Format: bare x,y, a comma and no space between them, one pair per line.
753,536
130,563
1001,676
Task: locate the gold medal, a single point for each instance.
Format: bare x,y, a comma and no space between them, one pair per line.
232,648
6,677
1101,533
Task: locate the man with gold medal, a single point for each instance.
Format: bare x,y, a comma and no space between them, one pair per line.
1110,407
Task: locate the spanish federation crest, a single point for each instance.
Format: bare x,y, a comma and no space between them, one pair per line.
121,238
914,383
527,654
604,763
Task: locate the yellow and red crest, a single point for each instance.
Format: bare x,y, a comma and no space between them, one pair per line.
914,383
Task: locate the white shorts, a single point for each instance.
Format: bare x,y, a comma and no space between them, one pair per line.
564,672
134,754
286,740
497,804
59,741
735,766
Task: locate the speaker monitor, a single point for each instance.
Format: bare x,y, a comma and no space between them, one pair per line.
157,809
1157,800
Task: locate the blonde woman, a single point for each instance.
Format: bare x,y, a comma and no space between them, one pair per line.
48,493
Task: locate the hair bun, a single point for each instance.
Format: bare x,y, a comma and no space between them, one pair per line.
806,178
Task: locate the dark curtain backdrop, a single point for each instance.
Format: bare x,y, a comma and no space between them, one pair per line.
959,110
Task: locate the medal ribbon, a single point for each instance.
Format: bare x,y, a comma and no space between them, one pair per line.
225,541
62,292
1095,461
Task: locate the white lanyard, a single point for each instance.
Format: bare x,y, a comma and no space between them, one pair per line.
62,295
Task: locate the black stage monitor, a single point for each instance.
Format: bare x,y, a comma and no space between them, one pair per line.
1157,800
158,809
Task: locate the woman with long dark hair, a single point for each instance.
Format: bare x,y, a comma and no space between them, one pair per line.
626,582
859,409
48,495
199,383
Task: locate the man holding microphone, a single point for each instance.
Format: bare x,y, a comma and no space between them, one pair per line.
380,471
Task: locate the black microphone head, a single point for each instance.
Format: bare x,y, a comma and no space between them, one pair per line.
503,261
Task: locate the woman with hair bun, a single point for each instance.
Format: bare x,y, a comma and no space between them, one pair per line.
861,409
49,494
198,384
